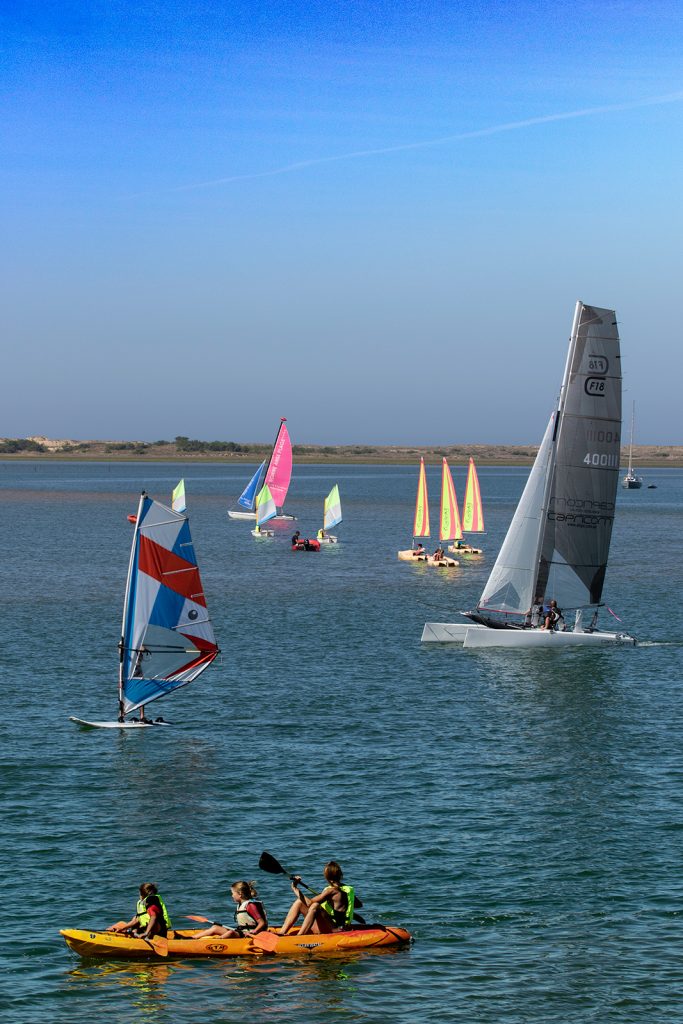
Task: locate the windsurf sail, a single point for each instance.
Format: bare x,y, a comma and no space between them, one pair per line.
178,498
449,525
332,515
472,511
421,523
167,639
265,506
247,498
279,471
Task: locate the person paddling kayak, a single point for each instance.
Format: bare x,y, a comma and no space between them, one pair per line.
329,911
250,915
151,917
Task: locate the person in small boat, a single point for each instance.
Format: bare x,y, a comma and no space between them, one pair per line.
419,550
553,616
321,534
250,915
151,916
329,911
438,555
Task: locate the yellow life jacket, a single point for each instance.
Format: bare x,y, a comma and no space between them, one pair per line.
348,913
143,916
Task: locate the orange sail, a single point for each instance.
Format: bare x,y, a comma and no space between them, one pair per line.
421,524
449,525
472,512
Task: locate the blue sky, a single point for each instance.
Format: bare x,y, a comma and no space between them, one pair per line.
374,219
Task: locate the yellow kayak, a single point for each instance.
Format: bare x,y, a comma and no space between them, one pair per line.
115,946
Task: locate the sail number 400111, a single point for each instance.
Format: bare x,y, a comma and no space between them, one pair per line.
602,460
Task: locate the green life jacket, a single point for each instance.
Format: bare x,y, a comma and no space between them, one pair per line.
348,913
143,916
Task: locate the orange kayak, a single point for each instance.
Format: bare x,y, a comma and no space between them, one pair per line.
115,946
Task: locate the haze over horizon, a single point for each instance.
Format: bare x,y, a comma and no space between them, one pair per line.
373,219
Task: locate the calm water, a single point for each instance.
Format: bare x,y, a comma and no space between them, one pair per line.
521,813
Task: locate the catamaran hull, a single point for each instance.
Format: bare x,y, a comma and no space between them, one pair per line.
115,725
281,517
475,635
467,550
328,540
114,946
425,559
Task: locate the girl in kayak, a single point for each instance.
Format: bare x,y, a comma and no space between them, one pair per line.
250,915
151,917
329,911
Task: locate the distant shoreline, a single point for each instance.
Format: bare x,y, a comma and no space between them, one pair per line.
42,449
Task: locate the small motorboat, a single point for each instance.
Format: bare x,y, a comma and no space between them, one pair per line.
306,544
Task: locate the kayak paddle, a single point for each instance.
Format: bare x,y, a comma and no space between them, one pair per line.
267,941
158,944
204,920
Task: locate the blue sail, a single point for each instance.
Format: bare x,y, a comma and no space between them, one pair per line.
247,498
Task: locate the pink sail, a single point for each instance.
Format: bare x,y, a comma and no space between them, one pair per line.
280,467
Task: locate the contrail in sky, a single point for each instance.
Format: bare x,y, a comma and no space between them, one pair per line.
674,97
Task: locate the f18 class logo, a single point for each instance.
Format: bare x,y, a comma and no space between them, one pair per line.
597,364
595,387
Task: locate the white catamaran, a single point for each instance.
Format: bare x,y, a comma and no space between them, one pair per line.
275,473
167,639
557,544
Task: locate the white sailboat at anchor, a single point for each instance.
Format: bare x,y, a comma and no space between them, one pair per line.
557,545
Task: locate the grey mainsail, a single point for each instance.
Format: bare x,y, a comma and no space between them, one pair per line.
558,542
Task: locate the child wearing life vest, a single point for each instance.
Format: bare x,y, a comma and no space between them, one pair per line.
151,917
329,911
250,915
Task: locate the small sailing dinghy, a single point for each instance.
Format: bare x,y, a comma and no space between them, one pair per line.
557,544
276,472
265,511
632,482
472,515
332,516
421,525
167,639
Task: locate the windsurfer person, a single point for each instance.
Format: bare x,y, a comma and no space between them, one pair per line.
329,911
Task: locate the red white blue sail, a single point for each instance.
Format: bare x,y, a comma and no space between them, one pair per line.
167,637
